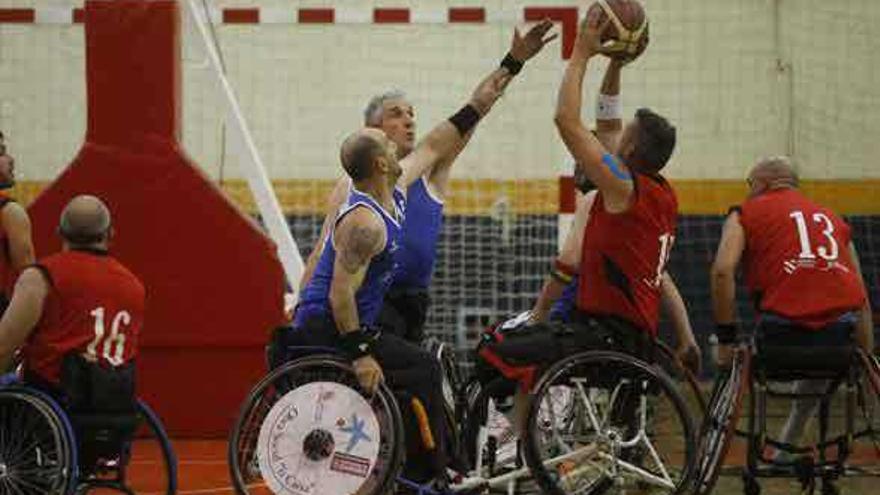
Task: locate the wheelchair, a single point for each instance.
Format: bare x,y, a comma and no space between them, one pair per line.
843,377
598,422
66,443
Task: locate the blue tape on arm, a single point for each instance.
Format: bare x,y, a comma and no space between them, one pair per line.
611,162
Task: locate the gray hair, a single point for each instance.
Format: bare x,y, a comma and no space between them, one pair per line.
779,170
373,112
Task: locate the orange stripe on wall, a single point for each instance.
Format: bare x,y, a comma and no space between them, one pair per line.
542,196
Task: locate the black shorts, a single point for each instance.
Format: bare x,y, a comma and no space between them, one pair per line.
404,313
521,353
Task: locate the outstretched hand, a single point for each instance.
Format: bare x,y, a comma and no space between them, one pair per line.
589,37
522,48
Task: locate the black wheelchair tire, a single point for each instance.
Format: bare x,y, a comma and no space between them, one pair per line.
530,448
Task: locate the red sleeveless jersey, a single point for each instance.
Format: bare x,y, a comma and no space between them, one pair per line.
797,262
624,254
95,306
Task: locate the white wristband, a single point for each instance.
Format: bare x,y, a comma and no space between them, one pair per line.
608,107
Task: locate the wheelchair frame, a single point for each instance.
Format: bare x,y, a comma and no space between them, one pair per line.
480,476
725,406
67,444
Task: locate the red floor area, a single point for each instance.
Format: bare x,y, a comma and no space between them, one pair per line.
203,469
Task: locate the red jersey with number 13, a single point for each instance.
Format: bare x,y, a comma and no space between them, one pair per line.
624,254
797,261
95,306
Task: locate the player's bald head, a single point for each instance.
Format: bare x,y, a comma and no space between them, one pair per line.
360,149
774,172
85,221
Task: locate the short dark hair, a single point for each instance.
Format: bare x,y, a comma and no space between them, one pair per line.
654,141
358,157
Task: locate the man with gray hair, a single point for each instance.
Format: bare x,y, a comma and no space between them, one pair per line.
406,303
81,301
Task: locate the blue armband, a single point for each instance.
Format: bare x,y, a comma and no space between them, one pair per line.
609,160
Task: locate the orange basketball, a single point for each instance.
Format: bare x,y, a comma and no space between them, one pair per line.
627,36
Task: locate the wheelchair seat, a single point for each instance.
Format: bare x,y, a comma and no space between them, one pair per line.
101,406
786,352
289,343
785,363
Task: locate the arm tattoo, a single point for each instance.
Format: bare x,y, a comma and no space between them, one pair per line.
358,247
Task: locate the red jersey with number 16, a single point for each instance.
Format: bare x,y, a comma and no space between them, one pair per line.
95,306
797,261
624,254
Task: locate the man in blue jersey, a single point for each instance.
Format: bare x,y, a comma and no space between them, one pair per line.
406,303
340,302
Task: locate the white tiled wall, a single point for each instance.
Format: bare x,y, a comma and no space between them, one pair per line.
711,68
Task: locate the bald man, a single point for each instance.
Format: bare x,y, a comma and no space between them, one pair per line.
801,269
80,301
800,264
340,304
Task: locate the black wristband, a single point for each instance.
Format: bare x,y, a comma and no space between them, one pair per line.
357,344
465,119
511,64
726,333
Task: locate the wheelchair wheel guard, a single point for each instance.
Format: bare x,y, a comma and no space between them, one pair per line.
308,429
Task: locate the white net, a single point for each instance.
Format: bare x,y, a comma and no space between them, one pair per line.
740,79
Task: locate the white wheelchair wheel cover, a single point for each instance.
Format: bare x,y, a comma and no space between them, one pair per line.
334,408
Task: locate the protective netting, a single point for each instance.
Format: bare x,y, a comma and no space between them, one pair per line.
740,79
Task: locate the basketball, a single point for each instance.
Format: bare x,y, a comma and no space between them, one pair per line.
627,37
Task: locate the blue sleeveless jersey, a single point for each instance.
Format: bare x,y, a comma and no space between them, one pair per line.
421,229
315,297
565,305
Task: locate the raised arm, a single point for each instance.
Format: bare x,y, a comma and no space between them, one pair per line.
446,140
335,201
723,281
358,237
568,262
609,175
865,325
609,122
674,306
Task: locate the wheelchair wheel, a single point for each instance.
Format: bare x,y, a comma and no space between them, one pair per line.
36,445
605,422
452,381
308,427
867,446
145,463
489,432
719,425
